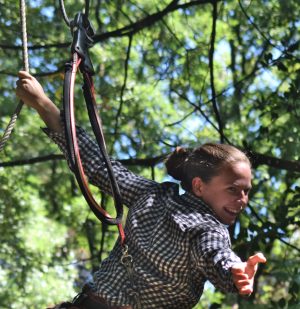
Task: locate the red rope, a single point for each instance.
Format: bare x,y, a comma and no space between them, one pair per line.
75,64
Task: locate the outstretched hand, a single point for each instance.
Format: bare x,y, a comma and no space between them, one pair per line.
243,273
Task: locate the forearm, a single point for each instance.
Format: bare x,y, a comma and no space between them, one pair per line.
50,114
130,184
215,257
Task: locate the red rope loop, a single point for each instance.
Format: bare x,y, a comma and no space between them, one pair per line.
73,148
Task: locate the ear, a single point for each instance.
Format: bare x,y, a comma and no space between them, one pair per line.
197,186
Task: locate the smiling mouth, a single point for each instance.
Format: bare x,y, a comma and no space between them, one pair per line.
232,211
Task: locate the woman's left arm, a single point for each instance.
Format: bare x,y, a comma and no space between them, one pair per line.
221,266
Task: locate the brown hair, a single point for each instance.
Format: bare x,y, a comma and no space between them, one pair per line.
205,162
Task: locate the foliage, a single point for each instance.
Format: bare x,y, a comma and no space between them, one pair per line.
155,91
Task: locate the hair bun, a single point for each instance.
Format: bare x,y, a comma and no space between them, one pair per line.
175,162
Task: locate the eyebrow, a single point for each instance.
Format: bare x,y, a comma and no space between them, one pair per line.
247,187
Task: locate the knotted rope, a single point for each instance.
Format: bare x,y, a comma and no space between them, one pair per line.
17,111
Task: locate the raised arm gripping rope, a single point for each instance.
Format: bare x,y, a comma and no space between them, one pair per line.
82,33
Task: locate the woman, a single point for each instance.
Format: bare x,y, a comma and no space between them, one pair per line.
177,242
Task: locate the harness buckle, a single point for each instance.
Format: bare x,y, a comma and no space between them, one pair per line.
82,32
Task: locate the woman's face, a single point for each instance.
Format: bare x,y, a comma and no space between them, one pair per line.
226,193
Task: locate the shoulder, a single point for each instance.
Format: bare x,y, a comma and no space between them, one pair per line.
192,215
166,190
197,222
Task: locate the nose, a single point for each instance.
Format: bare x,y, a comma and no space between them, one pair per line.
243,199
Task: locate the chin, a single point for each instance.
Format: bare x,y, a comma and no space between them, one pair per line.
231,222
228,222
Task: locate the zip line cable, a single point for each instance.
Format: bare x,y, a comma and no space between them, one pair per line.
18,109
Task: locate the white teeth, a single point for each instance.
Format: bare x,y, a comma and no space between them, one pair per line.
233,211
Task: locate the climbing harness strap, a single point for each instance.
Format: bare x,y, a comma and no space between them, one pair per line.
18,109
72,145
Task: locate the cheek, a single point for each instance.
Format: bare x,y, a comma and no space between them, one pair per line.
224,199
216,201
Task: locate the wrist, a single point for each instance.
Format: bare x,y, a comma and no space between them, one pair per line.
50,114
44,105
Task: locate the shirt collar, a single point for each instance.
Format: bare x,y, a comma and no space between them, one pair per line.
197,203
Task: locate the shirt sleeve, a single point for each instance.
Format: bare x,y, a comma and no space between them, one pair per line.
130,184
214,258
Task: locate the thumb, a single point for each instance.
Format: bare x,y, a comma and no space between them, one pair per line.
255,259
24,74
252,264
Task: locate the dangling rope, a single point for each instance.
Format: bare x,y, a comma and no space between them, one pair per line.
17,111
24,35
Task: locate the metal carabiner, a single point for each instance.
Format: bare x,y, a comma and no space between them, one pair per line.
126,259
65,16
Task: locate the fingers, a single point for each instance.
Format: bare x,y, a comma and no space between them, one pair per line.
243,283
255,259
246,290
240,277
21,86
23,80
24,74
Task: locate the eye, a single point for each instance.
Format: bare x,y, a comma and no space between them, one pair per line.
232,189
246,191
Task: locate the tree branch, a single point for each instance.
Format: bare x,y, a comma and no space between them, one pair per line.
198,108
125,31
36,47
262,159
148,20
146,162
123,86
183,118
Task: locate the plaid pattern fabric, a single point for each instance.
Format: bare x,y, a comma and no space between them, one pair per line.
175,240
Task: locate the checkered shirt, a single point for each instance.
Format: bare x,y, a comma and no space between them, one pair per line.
176,242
